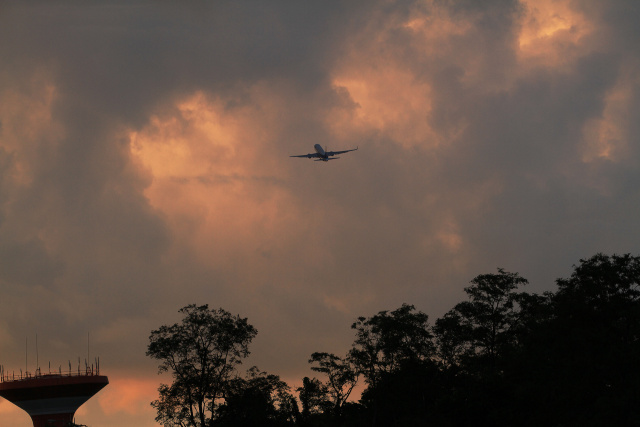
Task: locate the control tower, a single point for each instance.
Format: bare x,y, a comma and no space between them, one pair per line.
52,399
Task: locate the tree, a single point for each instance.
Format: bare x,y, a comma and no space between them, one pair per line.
603,282
314,398
201,353
258,400
579,365
387,340
341,377
386,345
453,337
485,323
474,341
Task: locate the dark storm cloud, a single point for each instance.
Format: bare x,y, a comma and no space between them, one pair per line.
111,65
144,161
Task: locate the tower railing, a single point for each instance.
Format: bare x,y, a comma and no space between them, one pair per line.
88,371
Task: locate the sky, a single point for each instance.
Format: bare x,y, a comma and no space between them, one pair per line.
144,166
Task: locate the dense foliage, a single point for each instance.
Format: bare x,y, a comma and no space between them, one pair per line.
503,357
201,353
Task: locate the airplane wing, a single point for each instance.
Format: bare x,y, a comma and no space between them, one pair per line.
335,153
308,156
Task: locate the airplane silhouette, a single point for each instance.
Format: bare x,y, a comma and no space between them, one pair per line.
324,156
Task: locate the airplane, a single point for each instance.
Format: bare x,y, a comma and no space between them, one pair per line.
322,155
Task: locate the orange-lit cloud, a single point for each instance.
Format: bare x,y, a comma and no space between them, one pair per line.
551,32
607,137
11,415
128,395
450,236
8,409
388,99
215,177
387,96
27,125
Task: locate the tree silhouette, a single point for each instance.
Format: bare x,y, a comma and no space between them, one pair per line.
386,340
259,400
581,360
501,358
315,401
341,377
385,345
483,325
201,353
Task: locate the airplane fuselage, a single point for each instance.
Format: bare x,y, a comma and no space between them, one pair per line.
321,152
322,155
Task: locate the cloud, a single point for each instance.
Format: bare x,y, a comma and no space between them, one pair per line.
144,164
128,395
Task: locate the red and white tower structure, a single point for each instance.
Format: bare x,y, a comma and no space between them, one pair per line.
52,399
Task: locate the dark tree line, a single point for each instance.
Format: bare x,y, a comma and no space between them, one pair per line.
502,357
